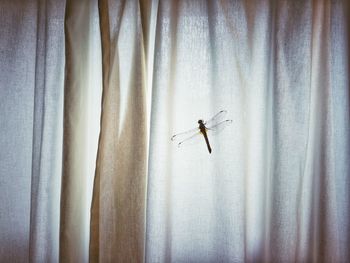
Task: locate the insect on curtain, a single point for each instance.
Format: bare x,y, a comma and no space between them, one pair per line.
275,187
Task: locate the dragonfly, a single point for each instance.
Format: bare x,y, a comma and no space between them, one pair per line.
214,124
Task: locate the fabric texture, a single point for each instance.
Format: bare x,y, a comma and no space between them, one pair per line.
91,93
118,207
82,110
275,188
31,111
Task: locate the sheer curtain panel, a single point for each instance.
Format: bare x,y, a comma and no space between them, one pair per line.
92,91
118,207
276,186
31,105
82,109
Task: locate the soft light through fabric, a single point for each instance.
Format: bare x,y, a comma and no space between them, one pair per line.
88,169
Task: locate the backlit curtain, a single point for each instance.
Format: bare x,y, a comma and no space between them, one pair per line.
92,91
82,110
276,186
118,206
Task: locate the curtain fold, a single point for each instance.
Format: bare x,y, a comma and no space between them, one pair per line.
118,207
82,107
47,133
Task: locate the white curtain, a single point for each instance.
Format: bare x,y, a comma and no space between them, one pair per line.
118,208
276,186
91,93
82,110
31,112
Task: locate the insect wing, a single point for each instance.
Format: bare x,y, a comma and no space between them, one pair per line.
219,126
181,137
195,139
219,117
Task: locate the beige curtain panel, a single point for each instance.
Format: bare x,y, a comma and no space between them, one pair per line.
92,93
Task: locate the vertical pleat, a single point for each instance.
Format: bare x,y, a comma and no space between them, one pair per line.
83,86
47,133
118,207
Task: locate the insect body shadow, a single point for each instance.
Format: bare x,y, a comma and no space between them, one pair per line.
213,125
